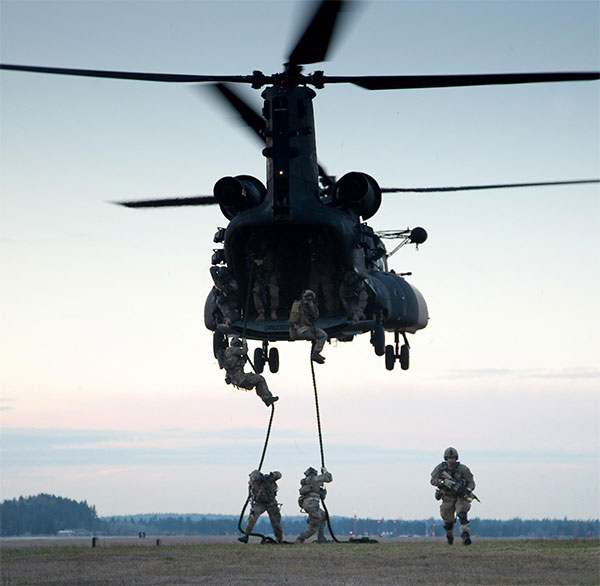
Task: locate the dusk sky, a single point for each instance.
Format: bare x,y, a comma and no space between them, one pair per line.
109,391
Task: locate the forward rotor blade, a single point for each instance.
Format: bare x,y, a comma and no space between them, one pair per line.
478,187
134,75
398,82
194,200
315,41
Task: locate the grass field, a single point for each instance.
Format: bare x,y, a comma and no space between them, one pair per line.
217,561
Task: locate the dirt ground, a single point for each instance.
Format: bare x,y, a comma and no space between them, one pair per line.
223,561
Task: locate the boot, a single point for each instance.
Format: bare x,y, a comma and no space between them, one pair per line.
260,316
316,357
273,314
243,539
270,400
466,539
450,538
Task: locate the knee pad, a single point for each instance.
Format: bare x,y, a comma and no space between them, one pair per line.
462,516
448,526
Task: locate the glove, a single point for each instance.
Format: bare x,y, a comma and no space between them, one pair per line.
323,470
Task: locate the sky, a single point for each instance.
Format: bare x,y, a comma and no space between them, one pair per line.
109,391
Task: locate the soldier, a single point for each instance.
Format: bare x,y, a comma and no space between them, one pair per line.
323,272
266,280
234,360
312,492
263,492
302,317
353,295
455,484
226,294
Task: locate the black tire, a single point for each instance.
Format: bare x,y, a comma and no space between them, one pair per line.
390,357
273,360
259,360
404,357
219,343
379,340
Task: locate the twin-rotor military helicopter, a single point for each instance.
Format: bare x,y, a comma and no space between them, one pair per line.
305,229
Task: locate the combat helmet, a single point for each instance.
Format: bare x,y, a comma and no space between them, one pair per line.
450,453
308,294
255,475
310,471
235,341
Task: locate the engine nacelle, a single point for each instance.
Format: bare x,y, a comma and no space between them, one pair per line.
359,192
239,193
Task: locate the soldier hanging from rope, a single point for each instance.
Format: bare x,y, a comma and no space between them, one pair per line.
234,360
312,492
302,319
263,493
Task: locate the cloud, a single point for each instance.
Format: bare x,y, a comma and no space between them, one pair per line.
33,448
542,373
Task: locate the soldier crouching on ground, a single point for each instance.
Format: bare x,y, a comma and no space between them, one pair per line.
302,318
263,492
311,493
234,360
455,485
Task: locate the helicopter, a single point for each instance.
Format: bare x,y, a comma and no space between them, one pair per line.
303,216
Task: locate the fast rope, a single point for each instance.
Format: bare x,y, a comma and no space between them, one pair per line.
352,539
264,538
314,379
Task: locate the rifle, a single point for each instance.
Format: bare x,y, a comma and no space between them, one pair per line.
458,487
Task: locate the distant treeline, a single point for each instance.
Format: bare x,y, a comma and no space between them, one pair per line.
46,514
344,527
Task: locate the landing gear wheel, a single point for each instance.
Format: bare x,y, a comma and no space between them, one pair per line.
259,360
390,357
273,360
404,357
378,340
219,343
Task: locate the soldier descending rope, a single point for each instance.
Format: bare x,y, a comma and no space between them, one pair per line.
263,493
312,492
302,318
233,361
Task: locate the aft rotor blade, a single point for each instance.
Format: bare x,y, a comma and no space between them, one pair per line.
397,82
315,41
133,75
255,121
248,114
478,187
194,200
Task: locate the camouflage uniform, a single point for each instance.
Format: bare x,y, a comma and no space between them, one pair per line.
323,273
263,491
303,324
266,280
226,296
353,295
454,502
234,360
311,493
